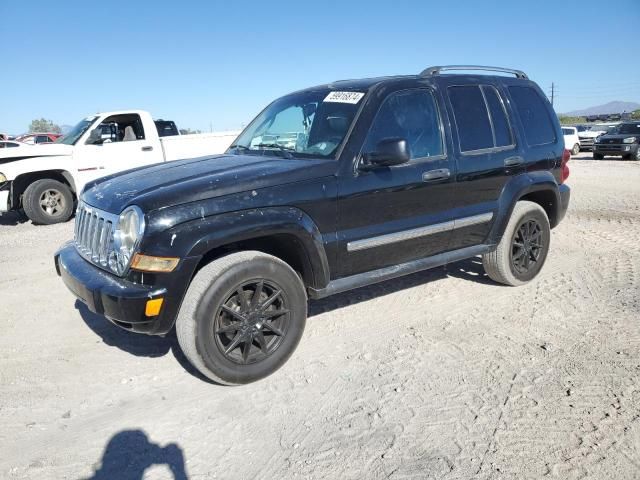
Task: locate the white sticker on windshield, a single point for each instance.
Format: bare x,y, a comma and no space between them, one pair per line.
344,97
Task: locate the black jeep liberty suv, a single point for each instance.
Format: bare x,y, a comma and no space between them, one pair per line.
329,189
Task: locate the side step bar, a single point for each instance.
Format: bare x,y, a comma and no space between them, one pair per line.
387,273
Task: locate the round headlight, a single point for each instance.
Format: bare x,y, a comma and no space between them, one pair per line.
129,229
126,238
2,178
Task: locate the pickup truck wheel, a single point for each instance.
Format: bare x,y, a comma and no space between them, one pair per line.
48,201
598,156
524,246
576,149
242,317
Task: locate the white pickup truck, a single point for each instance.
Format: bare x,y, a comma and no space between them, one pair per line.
45,180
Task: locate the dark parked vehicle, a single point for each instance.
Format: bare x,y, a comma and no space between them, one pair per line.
624,141
328,189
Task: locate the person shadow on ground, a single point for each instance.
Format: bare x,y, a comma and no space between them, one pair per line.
129,453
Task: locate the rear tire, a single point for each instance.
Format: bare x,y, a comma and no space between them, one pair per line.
523,249
576,149
598,156
48,201
230,335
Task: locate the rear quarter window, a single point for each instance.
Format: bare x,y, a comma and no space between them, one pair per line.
472,118
534,115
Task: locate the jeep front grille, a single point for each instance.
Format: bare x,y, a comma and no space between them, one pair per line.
94,234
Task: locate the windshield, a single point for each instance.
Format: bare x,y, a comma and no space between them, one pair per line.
603,128
582,128
76,132
306,124
632,128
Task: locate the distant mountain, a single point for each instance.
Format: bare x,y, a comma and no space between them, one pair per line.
607,108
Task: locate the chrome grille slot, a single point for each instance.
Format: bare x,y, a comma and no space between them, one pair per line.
93,234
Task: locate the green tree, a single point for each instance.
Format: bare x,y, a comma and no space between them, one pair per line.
635,115
44,125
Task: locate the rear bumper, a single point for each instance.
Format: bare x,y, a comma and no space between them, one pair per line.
119,300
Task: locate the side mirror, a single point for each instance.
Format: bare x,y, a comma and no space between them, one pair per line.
389,152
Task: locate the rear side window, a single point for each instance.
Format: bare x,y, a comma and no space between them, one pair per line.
534,114
501,128
472,118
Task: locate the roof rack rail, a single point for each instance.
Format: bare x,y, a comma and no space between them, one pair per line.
436,70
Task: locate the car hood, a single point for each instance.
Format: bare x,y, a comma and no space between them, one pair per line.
590,134
183,181
30,151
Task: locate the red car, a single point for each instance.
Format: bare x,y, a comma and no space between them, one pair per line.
34,138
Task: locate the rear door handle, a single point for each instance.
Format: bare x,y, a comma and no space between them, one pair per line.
147,149
439,174
513,161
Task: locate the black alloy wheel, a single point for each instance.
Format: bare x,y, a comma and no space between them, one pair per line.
251,323
527,246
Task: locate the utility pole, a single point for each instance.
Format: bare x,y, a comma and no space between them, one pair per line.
553,92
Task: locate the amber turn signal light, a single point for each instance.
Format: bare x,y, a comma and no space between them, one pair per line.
147,263
152,309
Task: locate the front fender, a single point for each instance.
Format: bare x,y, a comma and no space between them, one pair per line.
514,190
198,237
13,167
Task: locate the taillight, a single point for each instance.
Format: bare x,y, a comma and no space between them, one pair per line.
564,168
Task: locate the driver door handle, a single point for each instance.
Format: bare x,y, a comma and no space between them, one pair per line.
439,174
513,161
147,149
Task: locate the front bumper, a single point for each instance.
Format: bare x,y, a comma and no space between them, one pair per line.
5,196
121,300
586,143
619,149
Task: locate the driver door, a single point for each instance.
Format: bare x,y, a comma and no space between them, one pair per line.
392,215
122,145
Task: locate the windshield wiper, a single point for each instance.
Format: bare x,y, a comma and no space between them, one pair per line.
285,150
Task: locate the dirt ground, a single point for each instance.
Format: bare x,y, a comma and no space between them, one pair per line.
440,375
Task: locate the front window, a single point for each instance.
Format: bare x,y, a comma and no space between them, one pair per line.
413,116
76,132
629,128
306,124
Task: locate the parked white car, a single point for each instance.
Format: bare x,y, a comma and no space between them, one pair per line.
571,140
45,180
588,134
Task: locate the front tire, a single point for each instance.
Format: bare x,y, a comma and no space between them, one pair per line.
242,317
523,249
576,149
47,201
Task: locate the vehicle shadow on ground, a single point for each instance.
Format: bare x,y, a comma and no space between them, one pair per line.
129,454
134,343
13,218
469,269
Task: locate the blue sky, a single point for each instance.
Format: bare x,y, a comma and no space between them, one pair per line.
218,63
